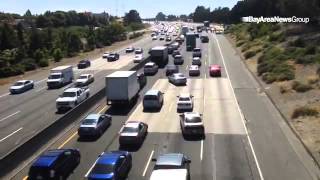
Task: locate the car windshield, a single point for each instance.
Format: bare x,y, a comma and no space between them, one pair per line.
69,94
18,84
55,76
184,99
89,121
83,61
196,50
83,77
148,66
180,75
150,97
193,119
167,167
102,169
130,130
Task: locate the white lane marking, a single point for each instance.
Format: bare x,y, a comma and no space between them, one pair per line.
147,165
186,67
87,174
10,134
241,115
9,116
38,90
3,95
201,150
37,82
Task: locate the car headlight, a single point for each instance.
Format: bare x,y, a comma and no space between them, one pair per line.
52,173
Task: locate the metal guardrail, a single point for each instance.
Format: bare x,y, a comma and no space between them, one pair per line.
18,155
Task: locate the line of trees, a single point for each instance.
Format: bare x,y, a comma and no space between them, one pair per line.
29,41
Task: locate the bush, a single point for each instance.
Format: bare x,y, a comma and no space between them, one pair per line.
43,63
269,78
311,49
301,87
313,80
135,35
240,43
283,89
307,59
11,71
249,54
277,37
29,64
298,43
57,54
304,111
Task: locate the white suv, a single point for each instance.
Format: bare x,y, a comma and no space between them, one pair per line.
185,102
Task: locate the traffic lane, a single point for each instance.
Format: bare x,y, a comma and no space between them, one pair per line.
280,154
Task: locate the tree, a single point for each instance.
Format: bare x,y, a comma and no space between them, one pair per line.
132,17
20,33
74,43
172,17
201,14
161,17
57,55
8,39
91,38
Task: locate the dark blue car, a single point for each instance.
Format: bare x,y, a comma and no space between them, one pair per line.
54,164
112,165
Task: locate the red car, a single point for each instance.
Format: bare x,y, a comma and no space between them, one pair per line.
215,70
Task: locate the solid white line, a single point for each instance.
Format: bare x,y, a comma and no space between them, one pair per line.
241,115
3,95
9,116
201,150
10,134
186,67
146,167
87,174
38,90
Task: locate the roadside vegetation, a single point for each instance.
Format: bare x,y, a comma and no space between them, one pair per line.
31,41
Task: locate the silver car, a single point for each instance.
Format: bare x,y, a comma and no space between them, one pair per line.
177,79
150,68
196,61
21,86
84,79
191,123
94,125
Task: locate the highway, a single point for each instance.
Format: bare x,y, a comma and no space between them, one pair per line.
245,137
24,115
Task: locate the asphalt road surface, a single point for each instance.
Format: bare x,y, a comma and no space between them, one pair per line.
245,137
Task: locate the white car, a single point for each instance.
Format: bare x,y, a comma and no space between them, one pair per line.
138,58
150,68
154,38
105,55
196,61
194,70
178,59
84,79
185,102
191,123
138,51
21,86
178,79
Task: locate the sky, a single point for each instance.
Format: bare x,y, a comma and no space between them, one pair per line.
146,8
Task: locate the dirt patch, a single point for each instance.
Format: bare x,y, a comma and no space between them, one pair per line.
287,100
72,61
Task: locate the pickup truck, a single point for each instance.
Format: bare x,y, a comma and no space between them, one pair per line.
71,97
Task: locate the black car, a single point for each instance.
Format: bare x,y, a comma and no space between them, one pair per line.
171,69
84,64
175,52
142,79
170,49
54,164
204,39
113,57
196,52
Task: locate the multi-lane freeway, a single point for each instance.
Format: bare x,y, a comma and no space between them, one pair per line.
245,136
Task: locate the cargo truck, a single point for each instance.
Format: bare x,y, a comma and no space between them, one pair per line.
122,87
159,55
60,76
191,41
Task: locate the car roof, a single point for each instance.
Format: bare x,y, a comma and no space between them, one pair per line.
196,49
110,157
174,159
132,124
191,114
194,67
215,65
48,158
152,92
184,95
23,81
71,89
150,64
93,116
85,74
196,58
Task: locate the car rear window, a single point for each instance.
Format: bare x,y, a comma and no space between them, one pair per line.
150,97
129,130
102,169
184,99
193,120
89,121
18,84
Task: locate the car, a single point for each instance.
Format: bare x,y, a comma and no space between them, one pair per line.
142,79
177,79
138,58
105,55
161,37
152,99
171,166
113,165
84,64
185,102
94,125
191,28
175,52
71,97
171,69
194,70
174,34
191,124
150,68
168,38
154,37
178,59
175,45
196,61
196,52
54,164
204,39
133,133
130,49
84,79
113,57
215,70
138,51
21,86
170,49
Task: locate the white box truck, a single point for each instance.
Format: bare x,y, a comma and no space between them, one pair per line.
122,87
60,76
159,55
